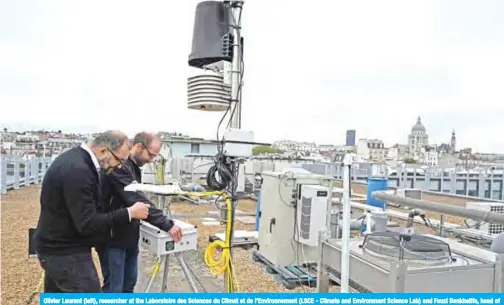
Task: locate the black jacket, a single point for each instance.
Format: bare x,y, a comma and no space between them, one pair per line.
70,220
127,236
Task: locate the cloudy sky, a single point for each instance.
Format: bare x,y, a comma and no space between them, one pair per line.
311,71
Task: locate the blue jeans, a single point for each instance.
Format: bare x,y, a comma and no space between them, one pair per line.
119,268
69,273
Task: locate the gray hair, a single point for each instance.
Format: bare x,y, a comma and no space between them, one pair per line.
112,139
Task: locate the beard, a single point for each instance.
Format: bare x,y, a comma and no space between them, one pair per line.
105,166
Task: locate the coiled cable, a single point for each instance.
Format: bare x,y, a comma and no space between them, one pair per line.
220,175
224,263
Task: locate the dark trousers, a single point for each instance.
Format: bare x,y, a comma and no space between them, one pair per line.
69,273
119,268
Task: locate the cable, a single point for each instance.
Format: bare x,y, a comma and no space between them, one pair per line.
222,169
37,290
226,173
242,72
224,264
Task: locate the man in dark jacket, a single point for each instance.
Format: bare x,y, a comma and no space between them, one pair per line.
70,222
119,255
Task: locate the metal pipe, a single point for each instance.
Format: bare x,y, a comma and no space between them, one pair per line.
187,272
164,284
153,276
345,234
236,65
441,225
235,120
442,208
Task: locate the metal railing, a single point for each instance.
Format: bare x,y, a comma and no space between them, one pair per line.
16,172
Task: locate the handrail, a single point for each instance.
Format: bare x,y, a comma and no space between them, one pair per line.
16,172
436,193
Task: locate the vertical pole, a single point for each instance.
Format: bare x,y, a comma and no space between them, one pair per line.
329,217
345,255
27,171
322,272
3,174
236,8
35,170
17,173
236,65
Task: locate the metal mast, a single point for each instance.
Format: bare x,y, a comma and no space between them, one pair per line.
235,104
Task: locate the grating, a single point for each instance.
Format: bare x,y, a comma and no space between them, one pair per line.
396,246
496,228
305,221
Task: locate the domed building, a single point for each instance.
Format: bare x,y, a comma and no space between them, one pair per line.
417,139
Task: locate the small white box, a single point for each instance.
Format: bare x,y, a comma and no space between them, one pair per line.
161,243
238,149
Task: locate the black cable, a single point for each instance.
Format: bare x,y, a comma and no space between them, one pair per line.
220,176
242,69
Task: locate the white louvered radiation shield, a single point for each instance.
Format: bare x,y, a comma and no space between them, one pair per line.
207,91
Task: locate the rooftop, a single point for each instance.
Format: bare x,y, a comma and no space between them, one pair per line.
20,211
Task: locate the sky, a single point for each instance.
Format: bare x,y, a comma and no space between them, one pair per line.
311,71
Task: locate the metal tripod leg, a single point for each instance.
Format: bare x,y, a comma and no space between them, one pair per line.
164,284
154,273
187,272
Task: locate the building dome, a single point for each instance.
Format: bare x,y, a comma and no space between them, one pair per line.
418,127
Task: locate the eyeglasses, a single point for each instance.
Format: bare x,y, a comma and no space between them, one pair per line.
121,161
149,152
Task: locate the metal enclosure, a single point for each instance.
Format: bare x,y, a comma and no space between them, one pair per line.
212,38
477,270
277,238
494,207
161,243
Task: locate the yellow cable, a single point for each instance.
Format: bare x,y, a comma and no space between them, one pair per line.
155,270
37,290
224,264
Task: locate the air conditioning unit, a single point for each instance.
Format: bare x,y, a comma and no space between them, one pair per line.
311,213
494,207
409,193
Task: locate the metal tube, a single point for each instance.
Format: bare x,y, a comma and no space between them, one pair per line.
164,285
441,225
442,208
236,11
187,273
153,276
329,219
345,236
236,66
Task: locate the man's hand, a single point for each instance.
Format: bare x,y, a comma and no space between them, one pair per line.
176,233
139,210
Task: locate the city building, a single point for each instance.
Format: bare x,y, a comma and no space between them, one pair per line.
371,149
181,146
417,139
350,137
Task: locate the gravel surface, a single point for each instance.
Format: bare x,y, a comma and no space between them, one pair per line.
20,275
